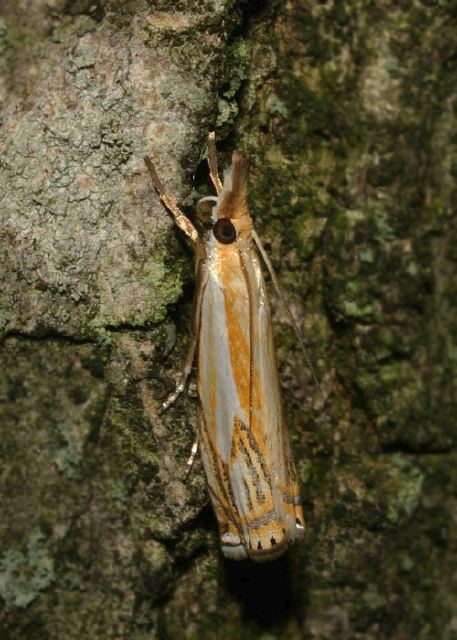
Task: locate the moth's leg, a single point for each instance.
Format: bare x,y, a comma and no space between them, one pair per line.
196,317
191,458
180,219
182,379
212,162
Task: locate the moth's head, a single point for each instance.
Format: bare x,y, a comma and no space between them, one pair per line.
231,214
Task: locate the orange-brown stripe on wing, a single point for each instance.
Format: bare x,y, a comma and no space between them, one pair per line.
237,309
236,302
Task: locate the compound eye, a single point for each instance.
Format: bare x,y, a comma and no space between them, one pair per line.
224,231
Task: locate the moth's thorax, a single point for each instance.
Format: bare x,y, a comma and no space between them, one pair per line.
226,255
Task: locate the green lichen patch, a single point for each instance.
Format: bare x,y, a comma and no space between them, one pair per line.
236,68
68,456
158,283
45,433
3,33
24,575
403,490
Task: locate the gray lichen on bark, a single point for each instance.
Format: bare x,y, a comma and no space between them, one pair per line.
346,111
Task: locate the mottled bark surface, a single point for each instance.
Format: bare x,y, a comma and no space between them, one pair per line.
346,111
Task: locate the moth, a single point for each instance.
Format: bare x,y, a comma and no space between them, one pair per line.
242,437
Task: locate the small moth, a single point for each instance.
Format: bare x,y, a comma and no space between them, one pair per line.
242,437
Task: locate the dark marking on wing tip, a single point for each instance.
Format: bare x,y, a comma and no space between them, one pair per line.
298,521
259,545
273,541
284,531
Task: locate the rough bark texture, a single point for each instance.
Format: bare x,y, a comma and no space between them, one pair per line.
346,111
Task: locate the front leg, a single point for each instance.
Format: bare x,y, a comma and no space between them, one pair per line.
180,219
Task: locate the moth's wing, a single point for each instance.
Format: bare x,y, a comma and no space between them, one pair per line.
219,407
282,521
245,452
221,494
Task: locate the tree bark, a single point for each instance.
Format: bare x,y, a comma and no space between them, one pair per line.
346,113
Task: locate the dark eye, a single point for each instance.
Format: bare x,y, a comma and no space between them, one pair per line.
224,231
